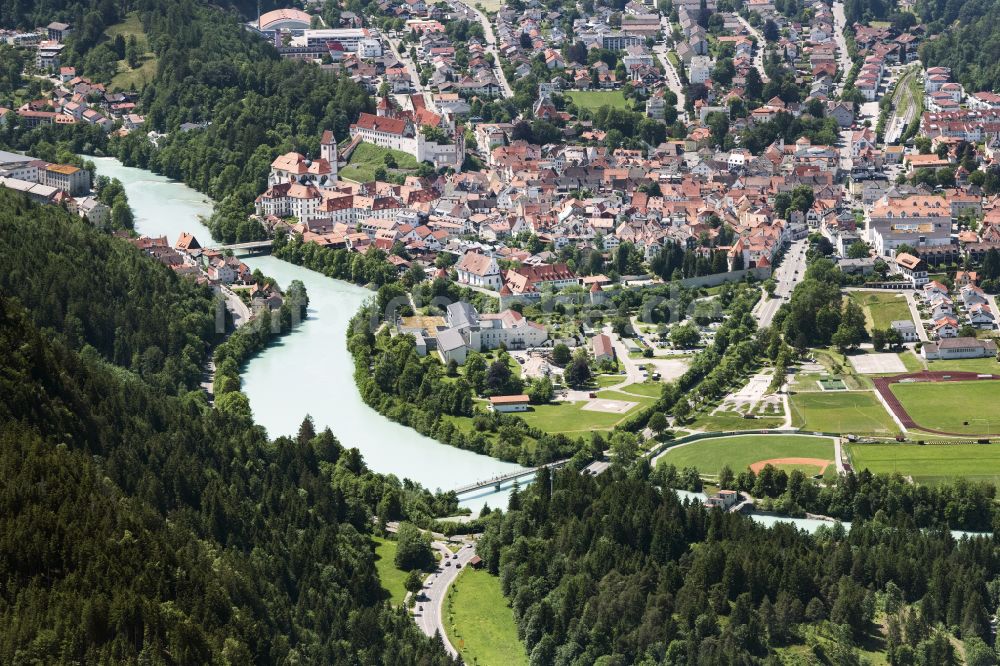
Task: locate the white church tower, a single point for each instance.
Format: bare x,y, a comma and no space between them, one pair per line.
328,152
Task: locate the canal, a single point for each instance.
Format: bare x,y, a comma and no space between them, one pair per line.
310,371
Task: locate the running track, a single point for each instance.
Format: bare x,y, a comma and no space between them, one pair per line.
882,385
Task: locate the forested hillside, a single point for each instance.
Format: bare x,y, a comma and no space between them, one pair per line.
253,104
616,570
968,40
139,525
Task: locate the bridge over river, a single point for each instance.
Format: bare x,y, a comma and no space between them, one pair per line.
498,481
251,247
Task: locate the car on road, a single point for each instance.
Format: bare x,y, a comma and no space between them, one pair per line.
448,563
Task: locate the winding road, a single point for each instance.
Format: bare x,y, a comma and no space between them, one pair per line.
430,619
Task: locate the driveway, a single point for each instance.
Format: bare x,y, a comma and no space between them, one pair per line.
431,618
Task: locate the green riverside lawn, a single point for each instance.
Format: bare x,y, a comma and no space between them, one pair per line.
391,577
949,406
741,451
841,411
480,623
595,99
571,418
930,463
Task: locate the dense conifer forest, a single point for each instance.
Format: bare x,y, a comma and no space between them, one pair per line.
137,524
617,570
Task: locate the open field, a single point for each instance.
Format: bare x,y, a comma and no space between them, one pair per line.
647,389
723,421
367,157
571,417
978,365
741,451
489,5
392,578
931,463
595,99
841,411
479,622
127,78
881,309
954,407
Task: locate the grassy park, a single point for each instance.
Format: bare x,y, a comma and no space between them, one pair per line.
572,418
368,157
392,578
741,451
841,411
480,623
931,463
723,421
595,99
881,309
956,407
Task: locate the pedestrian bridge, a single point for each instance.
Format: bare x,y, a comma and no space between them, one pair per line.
498,481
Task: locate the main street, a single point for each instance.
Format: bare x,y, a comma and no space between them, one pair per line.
468,12
431,599
787,275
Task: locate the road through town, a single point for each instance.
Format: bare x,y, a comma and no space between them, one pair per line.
787,275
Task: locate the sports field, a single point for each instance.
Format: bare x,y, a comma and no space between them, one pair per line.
841,411
931,463
741,451
954,407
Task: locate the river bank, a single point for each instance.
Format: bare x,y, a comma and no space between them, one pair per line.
310,370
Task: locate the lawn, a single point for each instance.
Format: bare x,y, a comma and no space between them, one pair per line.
480,623
595,99
931,463
977,365
956,407
570,417
127,78
725,421
367,157
648,389
392,578
740,451
841,411
882,309
489,6
603,381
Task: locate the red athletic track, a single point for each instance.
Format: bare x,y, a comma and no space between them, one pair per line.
882,386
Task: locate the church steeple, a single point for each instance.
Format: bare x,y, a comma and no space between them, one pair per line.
328,151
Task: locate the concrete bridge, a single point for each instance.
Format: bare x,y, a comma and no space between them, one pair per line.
498,481
252,247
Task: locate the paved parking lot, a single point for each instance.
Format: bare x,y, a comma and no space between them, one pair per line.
877,364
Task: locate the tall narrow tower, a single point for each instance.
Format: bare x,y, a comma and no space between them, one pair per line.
328,151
